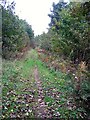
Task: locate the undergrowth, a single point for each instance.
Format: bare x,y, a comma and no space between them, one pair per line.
19,90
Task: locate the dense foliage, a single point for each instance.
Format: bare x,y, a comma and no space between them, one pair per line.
16,33
70,24
69,31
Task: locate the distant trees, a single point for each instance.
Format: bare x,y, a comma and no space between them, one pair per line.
16,33
43,41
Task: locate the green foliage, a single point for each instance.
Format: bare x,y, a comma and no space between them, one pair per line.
16,33
43,41
66,95
27,28
72,30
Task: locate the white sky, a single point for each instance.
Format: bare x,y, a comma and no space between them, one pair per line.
35,12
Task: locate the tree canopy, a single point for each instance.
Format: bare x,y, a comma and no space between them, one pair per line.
16,33
70,30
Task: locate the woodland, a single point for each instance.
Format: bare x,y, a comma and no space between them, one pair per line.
48,75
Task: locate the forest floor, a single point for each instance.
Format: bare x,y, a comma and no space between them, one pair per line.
31,90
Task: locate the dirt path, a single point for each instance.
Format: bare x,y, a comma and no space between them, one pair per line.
41,110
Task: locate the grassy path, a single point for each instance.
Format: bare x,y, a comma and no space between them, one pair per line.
41,109
31,90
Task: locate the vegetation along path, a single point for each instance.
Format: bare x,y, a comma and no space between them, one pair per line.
46,75
31,90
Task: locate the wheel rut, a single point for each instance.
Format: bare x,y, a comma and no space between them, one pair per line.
41,110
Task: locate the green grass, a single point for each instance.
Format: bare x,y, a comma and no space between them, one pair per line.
54,85
17,76
58,90
18,83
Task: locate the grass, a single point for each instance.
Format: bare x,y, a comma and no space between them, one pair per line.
19,89
18,81
57,89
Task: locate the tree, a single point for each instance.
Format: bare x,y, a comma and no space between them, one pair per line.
14,35
72,30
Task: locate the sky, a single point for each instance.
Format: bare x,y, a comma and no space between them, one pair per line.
35,12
